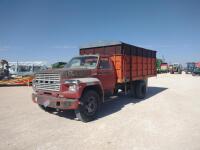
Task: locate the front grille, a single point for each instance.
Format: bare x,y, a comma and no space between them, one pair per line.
49,82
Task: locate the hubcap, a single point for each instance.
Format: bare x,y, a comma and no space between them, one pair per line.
90,105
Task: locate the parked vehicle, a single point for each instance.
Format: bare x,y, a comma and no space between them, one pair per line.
164,68
190,67
158,65
16,73
4,69
20,69
196,69
59,65
100,71
175,68
161,66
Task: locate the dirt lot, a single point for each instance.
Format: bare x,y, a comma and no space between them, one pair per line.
168,119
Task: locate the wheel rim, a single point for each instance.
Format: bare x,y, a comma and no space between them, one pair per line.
90,105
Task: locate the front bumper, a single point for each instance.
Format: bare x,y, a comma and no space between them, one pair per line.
55,102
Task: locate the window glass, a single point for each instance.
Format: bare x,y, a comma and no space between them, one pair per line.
83,62
104,63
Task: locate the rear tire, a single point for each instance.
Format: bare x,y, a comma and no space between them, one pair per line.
89,106
132,89
141,89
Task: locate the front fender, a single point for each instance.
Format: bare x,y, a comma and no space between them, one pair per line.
90,82
84,83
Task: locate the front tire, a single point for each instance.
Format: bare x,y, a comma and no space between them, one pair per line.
89,106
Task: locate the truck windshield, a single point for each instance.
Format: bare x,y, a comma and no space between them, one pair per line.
83,62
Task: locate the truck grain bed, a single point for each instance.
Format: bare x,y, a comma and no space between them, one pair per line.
131,62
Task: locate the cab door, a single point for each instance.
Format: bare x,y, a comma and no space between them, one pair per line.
106,74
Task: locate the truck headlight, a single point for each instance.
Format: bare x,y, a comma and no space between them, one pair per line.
73,88
73,85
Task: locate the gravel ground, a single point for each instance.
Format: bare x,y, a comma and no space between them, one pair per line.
168,119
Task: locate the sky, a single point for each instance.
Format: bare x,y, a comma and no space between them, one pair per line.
53,30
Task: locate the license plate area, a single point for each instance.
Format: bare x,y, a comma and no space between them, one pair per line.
46,103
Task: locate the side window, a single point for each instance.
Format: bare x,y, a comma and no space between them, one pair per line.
105,64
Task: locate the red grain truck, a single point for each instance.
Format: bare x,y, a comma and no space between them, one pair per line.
100,71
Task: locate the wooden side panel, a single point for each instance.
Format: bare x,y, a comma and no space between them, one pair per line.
149,66
153,66
134,66
118,63
143,67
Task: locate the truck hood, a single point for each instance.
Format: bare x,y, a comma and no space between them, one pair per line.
69,73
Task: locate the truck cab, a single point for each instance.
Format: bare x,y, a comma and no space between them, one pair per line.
85,81
190,67
101,67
